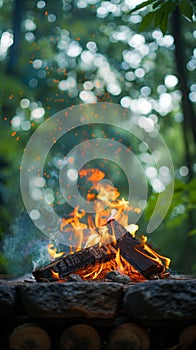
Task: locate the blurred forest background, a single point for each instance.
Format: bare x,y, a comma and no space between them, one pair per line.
55,54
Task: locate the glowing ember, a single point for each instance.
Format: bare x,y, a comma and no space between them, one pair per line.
107,205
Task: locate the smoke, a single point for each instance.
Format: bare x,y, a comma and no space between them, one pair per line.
25,248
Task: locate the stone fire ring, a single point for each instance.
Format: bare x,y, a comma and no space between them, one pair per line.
150,300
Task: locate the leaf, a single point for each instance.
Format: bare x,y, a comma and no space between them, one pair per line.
186,9
192,232
156,4
164,22
158,17
143,4
146,21
170,5
162,13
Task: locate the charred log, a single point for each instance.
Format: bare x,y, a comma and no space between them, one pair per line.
135,253
91,256
131,249
73,262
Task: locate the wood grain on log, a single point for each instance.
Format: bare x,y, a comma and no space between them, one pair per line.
129,336
81,337
73,262
130,248
29,336
187,338
135,253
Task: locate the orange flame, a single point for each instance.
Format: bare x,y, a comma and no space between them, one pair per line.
107,205
119,264
55,274
155,256
53,252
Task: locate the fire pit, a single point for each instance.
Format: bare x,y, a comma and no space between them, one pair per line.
112,292
103,241
157,314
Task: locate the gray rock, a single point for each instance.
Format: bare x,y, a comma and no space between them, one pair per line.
161,299
70,299
74,278
7,299
115,276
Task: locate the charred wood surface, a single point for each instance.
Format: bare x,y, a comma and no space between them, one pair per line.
131,249
86,257
73,262
135,253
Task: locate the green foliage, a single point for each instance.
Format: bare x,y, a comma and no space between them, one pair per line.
192,232
186,9
50,73
160,12
183,202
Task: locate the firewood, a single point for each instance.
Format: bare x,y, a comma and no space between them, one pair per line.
128,336
29,336
187,338
67,265
131,250
81,337
73,262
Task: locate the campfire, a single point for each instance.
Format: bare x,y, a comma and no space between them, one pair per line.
107,244
110,316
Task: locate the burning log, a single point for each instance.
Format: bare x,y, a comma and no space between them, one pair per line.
66,265
73,262
138,254
80,336
129,336
29,336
